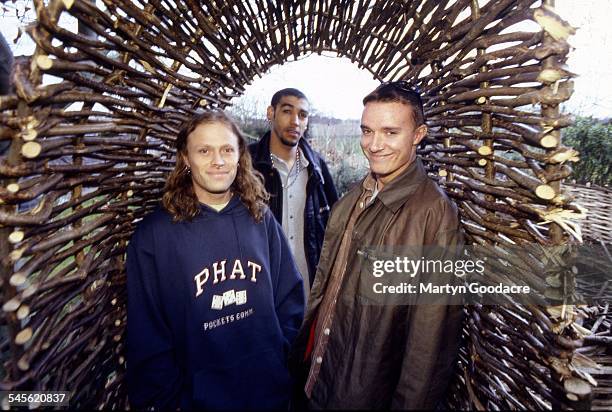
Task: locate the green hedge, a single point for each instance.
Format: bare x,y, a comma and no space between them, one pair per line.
593,139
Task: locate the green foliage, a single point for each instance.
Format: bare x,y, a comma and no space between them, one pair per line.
346,175
343,155
593,139
253,130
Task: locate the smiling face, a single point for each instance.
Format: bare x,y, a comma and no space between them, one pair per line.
212,154
289,119
389,138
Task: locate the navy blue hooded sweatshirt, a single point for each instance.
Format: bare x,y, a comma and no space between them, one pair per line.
213,306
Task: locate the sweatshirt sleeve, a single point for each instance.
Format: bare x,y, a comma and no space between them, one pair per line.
289,297
153,375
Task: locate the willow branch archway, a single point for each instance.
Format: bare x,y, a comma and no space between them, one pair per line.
95,110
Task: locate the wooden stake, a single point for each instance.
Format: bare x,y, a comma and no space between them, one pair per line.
23,336
44,62
549,141
545,192
31,150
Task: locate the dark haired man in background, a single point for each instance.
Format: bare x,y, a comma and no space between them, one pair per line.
353,353
301,188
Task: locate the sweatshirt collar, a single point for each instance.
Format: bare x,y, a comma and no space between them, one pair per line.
230,208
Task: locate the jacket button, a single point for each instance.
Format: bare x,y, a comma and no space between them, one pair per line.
319,359
326,331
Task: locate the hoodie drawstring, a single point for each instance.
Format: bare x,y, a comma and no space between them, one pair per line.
237,237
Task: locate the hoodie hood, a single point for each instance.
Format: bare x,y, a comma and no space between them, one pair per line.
232,207
230,218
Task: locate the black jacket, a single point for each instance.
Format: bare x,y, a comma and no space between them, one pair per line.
6,65
320,195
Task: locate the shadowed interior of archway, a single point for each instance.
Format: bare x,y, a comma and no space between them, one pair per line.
95,110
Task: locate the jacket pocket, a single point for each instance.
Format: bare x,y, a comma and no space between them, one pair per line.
382,280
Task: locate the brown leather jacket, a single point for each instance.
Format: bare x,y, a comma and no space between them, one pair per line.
382,356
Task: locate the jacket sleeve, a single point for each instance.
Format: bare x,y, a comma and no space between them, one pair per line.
434,334
289,296
330,189
153,375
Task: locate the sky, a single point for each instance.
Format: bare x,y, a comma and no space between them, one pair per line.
335,86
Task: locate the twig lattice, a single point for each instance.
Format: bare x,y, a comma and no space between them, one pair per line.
95,111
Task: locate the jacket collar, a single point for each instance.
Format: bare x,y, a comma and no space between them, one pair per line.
395,193
262,154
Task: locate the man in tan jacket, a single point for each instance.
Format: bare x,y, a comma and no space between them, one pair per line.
354,351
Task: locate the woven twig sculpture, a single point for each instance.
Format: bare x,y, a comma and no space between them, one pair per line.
95,110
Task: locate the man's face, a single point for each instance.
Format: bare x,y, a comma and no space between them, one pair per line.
389,138
289,119
212,154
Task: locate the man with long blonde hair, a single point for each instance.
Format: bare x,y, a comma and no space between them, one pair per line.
214,297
